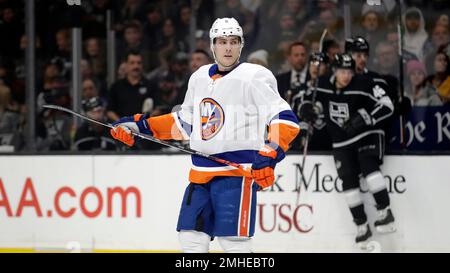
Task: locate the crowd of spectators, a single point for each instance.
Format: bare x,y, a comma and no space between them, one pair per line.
155,55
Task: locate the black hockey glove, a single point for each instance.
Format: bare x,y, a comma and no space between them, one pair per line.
404,107
304,129
358,124
307,112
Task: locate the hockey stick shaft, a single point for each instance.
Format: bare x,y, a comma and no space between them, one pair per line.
305,145
400,67
245,171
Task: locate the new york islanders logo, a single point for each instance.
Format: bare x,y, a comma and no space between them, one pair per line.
212,118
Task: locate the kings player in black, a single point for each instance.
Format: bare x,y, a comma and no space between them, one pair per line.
354,108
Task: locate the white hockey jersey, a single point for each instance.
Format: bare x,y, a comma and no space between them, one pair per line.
228,117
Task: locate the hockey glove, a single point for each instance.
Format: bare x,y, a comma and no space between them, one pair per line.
124,127
305,129
307,112
265,161
404,107
358,124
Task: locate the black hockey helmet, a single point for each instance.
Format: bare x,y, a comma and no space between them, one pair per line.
318,57
344,61
356,44
92,104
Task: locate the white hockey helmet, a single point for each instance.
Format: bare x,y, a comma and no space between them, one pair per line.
226,27
223,27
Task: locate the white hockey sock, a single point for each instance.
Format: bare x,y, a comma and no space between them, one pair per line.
192,241
353,198
375,181
234,244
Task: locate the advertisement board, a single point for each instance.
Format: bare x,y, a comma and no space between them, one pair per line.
131,202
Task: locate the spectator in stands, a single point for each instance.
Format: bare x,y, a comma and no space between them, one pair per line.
54,128
168,94
333,22
440,36
416,73
132,10
386,59
10,30
134,94
437,86
169,43
9,120
279,41
133,40
53,81
89,89
96,15
153,24
443,20
331,48
290,81
91,136
372,26
199,58
259,57
202,40
85,69
152,31
296,9
179,68
183,24
95,55
63,55
18,84
234,8
122,71
299,10
415,35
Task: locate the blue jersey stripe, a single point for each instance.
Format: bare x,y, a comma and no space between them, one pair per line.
286,115
244,156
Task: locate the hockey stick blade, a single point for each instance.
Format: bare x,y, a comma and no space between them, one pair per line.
245,171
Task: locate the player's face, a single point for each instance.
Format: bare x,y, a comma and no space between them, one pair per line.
360,60
343,77
227,50
315,71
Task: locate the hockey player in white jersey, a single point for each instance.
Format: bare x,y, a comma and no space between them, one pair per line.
226,112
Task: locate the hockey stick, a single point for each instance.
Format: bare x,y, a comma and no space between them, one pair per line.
400,62
245,171
305,146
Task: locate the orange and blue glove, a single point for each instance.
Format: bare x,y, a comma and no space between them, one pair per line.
264,164
124,127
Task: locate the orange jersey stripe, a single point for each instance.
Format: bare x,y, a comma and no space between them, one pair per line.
245,207
164,127
282,134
